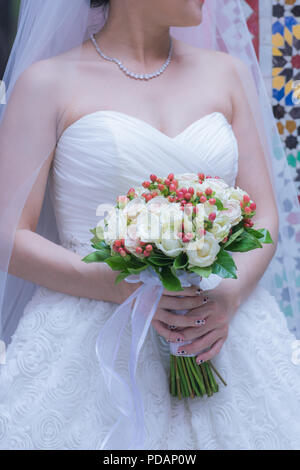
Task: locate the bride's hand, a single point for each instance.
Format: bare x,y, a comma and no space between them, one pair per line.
216,313
172,326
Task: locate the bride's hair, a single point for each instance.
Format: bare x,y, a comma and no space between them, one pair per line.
99,3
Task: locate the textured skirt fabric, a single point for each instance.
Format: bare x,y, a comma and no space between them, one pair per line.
53,395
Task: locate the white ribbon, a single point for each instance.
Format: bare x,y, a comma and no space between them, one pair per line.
128,432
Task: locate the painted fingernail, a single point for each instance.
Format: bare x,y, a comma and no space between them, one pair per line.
205,300
199,291
200,322
181,352
199,361
179,340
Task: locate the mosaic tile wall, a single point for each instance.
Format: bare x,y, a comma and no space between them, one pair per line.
286,77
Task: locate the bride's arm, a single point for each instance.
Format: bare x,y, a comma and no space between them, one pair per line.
253,177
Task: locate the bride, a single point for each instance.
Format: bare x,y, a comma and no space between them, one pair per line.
108,130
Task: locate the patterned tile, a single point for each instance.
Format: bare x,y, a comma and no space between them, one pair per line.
286,77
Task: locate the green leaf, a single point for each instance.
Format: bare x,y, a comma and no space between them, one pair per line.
224,266
204,272
181,261
100,245
98,234
169,280
255,233
117,263
266,235
245,242
121,276
233,237
97,257
160,260
137,270
219,205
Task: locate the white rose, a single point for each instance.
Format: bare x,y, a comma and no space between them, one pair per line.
134,208
203,252
234,212
171,246
171,219
148,227
217,185
187,178
158,204
235,193
132,241
116,227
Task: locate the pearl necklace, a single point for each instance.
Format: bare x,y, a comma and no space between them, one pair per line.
136,76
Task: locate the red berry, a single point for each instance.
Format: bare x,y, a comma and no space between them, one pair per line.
131,191
139,250
172,187
253,206
208,191
122,252
212,216
149,248
154,194
116,248
180,235
122,241
146,184
161,187
148,197
242,204
167,182
246,198
203,199
188,196
212,201
153,178
118,243
191,191
171,176
147,253
184,190
201,176
208,177
247,210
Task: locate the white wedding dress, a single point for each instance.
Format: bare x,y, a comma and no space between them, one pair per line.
52,394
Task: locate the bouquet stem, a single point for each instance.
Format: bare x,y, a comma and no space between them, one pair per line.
189,379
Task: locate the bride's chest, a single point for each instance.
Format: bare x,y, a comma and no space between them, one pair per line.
113,151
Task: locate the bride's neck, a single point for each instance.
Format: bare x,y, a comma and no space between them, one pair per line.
129,35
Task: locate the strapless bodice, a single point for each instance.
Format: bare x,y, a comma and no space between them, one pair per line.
105,153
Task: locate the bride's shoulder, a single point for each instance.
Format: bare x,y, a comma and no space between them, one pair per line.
49,75
208,58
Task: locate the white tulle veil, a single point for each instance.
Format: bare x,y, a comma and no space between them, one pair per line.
48,28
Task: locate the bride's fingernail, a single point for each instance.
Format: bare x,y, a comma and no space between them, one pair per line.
199,291
205,300
199,361
181,352
200,322
179,340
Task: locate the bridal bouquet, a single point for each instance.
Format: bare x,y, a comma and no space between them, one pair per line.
179,230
